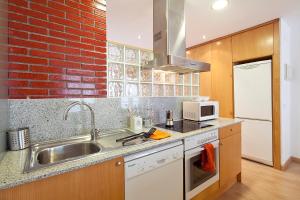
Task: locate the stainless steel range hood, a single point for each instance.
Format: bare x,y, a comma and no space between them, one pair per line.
169,44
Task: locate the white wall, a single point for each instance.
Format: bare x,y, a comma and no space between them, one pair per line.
290,50
285,45
294,23
126,20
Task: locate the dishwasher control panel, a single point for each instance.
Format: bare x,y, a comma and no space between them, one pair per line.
152,161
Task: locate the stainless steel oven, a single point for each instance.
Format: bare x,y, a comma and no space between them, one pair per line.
197,179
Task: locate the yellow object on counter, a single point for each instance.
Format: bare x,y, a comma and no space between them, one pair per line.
158,135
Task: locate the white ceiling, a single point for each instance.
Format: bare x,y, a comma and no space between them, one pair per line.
126,20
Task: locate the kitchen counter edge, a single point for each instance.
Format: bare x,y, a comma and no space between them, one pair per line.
12,165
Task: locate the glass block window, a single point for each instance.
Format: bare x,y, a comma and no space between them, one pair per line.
127,78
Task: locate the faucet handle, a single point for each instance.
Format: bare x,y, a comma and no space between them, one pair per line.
98,132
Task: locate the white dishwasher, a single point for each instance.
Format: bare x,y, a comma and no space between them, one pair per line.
155,174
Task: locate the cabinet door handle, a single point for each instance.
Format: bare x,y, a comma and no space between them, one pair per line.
119,163
221,144
231,129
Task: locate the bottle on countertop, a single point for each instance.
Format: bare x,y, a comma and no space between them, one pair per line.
148,117
169,118
135,121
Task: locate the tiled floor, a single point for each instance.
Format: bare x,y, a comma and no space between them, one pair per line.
260,182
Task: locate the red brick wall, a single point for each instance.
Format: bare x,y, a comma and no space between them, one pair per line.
57,49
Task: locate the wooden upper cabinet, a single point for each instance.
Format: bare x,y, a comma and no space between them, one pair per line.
253,44
203,53
103,181
218,83
221,73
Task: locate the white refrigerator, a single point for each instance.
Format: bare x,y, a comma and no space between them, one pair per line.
253,104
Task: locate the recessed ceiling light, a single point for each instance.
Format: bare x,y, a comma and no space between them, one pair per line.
219,4
203,37
139,37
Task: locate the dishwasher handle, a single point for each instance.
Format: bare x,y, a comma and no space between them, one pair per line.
161,161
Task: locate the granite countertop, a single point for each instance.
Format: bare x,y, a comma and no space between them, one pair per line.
12,165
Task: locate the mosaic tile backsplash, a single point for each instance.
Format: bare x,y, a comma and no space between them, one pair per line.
44,117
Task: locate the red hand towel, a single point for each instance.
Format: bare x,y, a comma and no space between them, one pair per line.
208,158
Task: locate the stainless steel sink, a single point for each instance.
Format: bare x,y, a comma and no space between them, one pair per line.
43,155
59,153
52,153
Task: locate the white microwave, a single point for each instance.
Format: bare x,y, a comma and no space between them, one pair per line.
200,110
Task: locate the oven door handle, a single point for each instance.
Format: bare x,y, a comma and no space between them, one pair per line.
196,151
193,152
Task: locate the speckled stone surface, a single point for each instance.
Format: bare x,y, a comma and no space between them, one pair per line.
11,167
3,126
44,117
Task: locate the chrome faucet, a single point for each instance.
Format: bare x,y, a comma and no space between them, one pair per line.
93,131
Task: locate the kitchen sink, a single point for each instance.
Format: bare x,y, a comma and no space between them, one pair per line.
52,153
47,154
63,152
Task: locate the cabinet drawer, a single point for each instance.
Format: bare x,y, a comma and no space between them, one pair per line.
229,130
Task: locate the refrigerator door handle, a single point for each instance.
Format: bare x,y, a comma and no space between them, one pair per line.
247,67
263,120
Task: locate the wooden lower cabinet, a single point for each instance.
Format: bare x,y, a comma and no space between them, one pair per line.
230,156
103,181
230,163
210,193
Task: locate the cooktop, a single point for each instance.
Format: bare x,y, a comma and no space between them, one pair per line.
184,126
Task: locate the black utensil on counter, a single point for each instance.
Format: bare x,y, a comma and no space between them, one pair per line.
142,134
149,133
